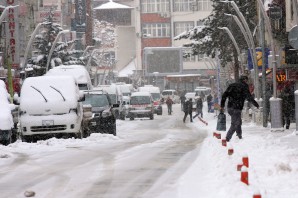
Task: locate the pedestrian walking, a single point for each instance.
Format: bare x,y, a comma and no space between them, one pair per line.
199,108
188,110
209,102
182,100
169,103
288,105
236,93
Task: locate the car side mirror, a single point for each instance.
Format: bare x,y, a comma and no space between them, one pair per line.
16,99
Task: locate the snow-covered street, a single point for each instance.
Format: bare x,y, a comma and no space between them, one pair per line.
145,157
157,158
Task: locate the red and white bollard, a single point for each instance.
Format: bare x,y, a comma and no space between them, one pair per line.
239,165
244,175
224,142
257,194
230,150
245,161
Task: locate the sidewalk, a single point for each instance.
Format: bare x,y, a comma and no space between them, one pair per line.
273,163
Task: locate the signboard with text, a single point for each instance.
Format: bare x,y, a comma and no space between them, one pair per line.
42,15
12,34
80,15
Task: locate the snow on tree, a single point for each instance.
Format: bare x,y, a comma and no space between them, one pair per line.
208,38
43,43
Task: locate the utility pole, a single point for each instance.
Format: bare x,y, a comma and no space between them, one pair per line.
262,39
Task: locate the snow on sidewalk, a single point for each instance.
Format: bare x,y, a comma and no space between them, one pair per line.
273,164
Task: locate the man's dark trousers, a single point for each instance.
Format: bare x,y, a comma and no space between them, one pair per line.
236,123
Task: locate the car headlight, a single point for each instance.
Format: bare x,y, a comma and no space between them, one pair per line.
106,114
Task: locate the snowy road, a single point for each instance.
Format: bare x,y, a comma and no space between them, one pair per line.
144,160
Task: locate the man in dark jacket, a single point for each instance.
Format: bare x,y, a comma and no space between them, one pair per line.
209,102
188,109
236,93
288,105
199,108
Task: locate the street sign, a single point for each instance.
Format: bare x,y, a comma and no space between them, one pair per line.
293,37
275,13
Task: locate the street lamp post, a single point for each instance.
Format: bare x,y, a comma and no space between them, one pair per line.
256,77
275,103
53,47
235,45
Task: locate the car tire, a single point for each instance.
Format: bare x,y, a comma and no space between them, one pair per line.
122,116
80,134
131,118
26,138
113,129
151,116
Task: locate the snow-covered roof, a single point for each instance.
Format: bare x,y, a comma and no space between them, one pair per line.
140,93
112,5
128,70
79,72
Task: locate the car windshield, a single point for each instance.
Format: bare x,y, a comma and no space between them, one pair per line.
83,86
155,96
96,100
138,100
166,93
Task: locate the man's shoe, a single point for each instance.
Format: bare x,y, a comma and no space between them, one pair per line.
287,127
239,136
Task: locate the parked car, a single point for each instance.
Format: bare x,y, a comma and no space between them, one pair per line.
103,119
8,130
202,92
141,105
172,93
155,93
50,106
116,98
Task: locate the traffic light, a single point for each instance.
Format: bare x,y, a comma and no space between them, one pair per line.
291,55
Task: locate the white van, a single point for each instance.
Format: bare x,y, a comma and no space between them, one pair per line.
50,106
79,72
155,93
141,105
172,93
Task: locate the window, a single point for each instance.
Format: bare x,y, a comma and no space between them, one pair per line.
181,27
184,5
190,58
156,30
155,6
204,5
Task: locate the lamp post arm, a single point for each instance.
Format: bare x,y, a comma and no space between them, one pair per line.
30,42
3,15
53,47
235,44
87,48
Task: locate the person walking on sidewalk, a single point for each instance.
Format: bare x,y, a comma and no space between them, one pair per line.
182,99
209,102
169,103
188,110
236,93
288,105
199,108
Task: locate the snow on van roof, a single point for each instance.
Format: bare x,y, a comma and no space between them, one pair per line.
140,93
79,72
150,89
49,94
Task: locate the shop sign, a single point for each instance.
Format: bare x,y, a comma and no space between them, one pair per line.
12,34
